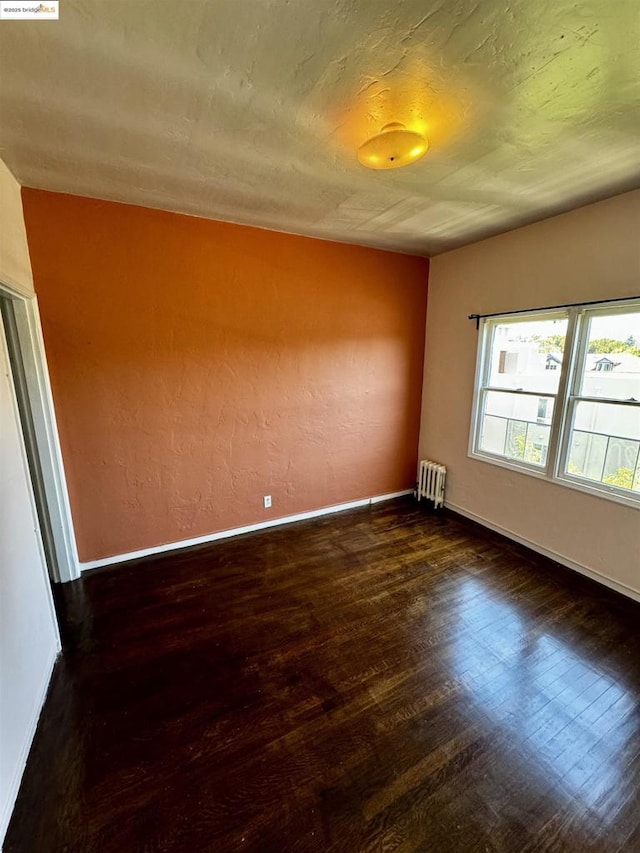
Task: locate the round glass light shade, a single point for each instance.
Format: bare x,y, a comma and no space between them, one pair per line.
393,147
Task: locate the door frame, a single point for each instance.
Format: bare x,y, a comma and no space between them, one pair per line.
23,333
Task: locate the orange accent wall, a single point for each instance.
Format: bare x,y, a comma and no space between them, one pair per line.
197,366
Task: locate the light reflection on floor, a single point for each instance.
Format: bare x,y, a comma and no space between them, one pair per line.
567,713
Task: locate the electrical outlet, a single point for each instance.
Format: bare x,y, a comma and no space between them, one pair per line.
267,501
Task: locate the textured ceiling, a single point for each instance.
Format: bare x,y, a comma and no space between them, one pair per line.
251,110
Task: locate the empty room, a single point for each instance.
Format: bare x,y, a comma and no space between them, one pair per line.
319,426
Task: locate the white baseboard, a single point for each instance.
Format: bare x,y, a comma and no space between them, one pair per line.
552,555
238,531
7,807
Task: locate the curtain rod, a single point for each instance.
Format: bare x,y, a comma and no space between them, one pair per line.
478,317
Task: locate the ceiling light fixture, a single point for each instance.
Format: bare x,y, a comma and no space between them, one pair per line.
393,147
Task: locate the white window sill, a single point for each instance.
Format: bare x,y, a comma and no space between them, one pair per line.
595,490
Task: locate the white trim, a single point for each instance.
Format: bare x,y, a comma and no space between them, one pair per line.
13,288
378,499
558,434
51,460
516,465
18,772
596,490
30,344
546,552
481,354
238,531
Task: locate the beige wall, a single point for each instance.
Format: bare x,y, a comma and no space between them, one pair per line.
28,631
591,253
15,268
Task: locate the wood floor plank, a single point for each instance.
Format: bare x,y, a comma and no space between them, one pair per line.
388,679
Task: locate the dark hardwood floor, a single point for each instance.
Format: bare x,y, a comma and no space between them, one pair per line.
381,680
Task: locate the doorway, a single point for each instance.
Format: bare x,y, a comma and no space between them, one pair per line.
23,336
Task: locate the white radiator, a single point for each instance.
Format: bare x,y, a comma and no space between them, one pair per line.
431,482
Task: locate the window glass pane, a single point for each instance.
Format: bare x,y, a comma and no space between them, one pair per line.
493,435
605,444
621,463
587,454
528,355
612,364
537,444
516,439
511,427
608,419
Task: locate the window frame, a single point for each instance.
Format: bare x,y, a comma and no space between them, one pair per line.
566,399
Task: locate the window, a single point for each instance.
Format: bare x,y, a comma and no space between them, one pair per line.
543,408
558,396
